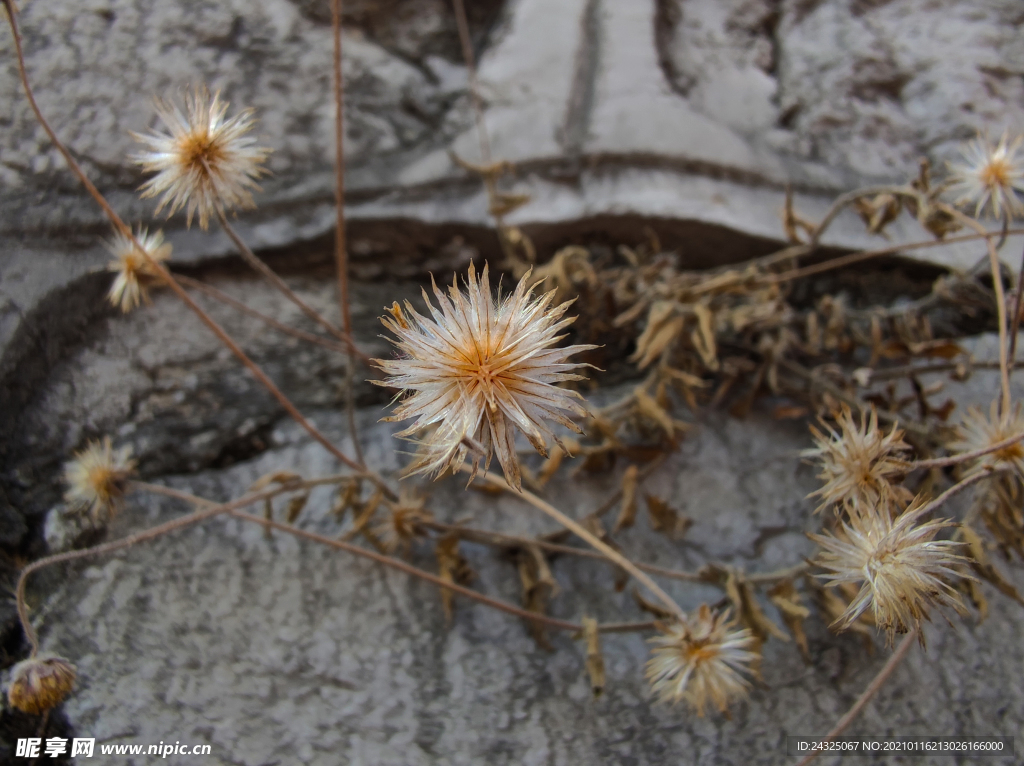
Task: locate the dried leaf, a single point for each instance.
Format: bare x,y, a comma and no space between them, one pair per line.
650,409
741,594
453,568
627,515
550,466
704,337
787,600
595,660
539,587
295,506
983,567
663,326
276,477
665,519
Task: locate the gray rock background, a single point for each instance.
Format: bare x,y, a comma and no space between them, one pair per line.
688,116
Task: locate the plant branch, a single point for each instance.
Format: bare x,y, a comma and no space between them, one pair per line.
876,684
139,537
609,552
963,457
271,276
295,332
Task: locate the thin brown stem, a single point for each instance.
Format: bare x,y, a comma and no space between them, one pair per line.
997,284
271,276
850,197
849,260
226,299
1018,305
963,457
402,566
157,267
610,553
462,24
126,542
501,540
340,240
873,688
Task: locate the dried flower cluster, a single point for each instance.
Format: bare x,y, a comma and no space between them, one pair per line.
206,163
40,683
478,372
978,433
134,271
702,660
97,478
990,176
902,568
858,463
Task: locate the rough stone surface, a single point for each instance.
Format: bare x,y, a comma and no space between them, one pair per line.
693,111
281,651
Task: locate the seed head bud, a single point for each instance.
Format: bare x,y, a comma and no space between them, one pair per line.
41,683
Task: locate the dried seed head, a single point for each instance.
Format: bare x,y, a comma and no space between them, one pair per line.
902,568
990,175
478,371
399,526
97,478
978,432
134,271
702,661
858,463
40,683
207,163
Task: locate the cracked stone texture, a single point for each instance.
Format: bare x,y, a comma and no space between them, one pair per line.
689,111
278,651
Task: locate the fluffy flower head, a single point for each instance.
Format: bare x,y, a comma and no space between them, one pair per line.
97,478
478,371
40,683
857,463
701,660
901,567
990,175
978,433
134,272
207,163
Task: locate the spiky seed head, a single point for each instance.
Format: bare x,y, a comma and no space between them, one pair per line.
858,463
990,176
206,163
902,569
478,371
978,432
97,478
703,660
134,271
40,683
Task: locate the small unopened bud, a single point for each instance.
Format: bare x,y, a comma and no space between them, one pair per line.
40,683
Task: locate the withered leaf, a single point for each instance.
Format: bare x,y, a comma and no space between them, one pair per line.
295,506
664,518
741,594
983,567
627,515
787,600
651,608
595,659
539,587
650,409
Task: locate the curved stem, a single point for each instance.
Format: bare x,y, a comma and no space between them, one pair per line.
963,457
850,197
499,539
126,542
271,276
848,260
876,683
609,552
997,284
226,299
